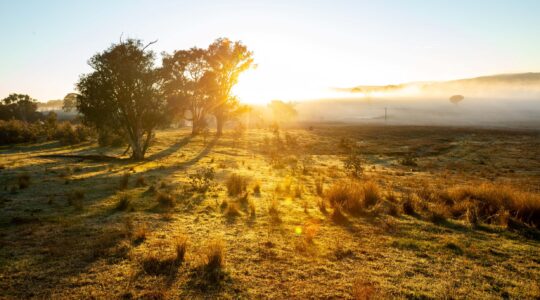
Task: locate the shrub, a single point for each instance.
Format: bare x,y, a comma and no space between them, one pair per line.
23,181
236,184
353,163
15,131
201,180
409,160
70,134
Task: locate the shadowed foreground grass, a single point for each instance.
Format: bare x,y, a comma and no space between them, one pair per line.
435,213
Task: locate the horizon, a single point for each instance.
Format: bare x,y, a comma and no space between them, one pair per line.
302,50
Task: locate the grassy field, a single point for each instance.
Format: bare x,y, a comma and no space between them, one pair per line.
444,213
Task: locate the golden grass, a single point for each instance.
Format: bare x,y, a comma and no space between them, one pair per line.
166,200
236,184
353,196
55,252
491,202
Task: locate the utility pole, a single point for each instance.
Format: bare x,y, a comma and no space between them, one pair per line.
385,114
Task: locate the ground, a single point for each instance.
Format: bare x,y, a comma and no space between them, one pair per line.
65,232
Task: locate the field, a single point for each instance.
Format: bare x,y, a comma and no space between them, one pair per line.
254,215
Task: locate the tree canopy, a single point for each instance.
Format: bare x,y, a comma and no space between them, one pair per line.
123,94
227,60
19,107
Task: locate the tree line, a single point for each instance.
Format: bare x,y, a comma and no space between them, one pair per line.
127,96
126,93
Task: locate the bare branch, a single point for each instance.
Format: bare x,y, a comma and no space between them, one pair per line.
151,43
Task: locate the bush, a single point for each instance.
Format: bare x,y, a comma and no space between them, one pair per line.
70,134
353,163
202,179
236,184
15,131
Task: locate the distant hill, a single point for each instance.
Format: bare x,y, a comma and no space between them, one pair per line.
525,82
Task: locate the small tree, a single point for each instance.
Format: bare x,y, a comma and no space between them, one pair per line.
122,94
353,163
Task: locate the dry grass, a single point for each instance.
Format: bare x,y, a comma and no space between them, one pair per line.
75,198
124,202
363,290
23,181
166,200
232,210
53,251
353,196
236,184
181,244
140,181
257,189
214,255
490,203
124,181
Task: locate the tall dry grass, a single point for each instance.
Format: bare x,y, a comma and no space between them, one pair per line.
490,203
353,196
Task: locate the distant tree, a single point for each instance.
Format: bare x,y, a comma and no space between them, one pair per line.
19,107
122,94
281,111
227,60
70,102
456,99
189,86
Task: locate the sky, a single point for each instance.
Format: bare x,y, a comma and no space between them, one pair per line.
302,49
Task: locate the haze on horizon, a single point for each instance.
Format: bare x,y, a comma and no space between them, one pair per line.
303,49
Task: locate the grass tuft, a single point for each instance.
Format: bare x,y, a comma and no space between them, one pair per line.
236,184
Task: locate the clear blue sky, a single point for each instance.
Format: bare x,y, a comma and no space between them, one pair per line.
301,47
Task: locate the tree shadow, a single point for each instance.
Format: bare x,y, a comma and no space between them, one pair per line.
173,148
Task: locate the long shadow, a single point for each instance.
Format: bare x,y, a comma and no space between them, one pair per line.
68,223
202,154
173,148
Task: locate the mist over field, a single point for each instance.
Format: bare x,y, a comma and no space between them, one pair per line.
495,101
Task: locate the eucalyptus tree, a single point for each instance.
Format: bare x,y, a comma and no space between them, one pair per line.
123,94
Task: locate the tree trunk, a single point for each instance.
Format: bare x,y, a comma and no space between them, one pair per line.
138,153
194,128
220,121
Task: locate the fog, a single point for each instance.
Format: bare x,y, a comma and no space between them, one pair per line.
511,101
